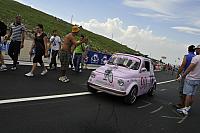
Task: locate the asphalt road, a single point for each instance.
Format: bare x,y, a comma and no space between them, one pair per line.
88,113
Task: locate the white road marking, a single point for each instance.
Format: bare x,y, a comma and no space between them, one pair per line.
43,97
171,117
163,90
144,106
156,110
166,82
182,120
7,101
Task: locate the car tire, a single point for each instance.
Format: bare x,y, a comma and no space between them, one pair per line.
152,90
92,90
132,96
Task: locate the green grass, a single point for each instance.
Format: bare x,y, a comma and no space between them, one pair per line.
31,17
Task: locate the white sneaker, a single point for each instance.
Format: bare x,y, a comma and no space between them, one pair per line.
13,68
61,78
44,72
65,79
29,74
184,110
3,68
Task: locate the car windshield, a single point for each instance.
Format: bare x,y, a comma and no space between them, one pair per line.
125,62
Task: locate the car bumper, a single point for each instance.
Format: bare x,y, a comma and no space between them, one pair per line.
107,90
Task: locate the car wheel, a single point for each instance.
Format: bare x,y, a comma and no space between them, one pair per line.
152,90
92,90
132,96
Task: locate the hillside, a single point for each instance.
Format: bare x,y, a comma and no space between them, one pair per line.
31,17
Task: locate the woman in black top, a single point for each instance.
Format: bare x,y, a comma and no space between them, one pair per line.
40,45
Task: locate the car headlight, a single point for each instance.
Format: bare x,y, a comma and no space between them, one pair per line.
120,82
93,75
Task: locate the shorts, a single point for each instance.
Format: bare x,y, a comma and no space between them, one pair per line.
190,87
64,60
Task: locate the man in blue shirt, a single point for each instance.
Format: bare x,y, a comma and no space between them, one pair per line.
185,64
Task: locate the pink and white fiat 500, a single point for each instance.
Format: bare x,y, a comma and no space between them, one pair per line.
124,75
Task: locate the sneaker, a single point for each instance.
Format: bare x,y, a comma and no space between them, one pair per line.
29,74
44,72
3,68
61,78
13,68
80,71
184,110
65,80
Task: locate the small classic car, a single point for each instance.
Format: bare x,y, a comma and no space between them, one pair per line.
124,75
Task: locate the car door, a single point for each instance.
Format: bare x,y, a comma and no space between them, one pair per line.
145,76
152,76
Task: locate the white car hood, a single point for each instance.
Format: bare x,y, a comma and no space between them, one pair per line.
118,71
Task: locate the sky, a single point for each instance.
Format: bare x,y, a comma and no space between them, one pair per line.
153,27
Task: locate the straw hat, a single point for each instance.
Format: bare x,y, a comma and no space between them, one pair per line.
75,29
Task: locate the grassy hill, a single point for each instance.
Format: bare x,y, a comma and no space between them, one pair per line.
9,9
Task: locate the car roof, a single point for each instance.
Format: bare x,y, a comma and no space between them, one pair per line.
139,57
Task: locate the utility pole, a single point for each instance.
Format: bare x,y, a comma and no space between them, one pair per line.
71,18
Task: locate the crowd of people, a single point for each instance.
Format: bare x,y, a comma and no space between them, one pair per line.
70,51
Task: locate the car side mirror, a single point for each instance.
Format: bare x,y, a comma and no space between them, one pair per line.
143,69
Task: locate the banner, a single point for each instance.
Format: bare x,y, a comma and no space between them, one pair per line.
97,58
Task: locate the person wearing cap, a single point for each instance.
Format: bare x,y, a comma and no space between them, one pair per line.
192,82
17,34
185,64
66,51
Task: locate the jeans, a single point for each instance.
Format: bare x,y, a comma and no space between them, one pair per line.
77,61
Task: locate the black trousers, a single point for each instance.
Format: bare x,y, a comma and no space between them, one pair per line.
53,58
14,51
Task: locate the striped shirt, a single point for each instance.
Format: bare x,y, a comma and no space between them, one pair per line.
17,32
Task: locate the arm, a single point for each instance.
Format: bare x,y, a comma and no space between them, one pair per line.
23,37
180,69
33,45
189,69
45,44
74,43
59,43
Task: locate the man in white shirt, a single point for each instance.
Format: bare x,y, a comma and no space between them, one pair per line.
55,44
192,81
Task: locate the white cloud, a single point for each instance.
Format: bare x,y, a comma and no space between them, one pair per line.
159,6
190,30
134,37
179,10
156,16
